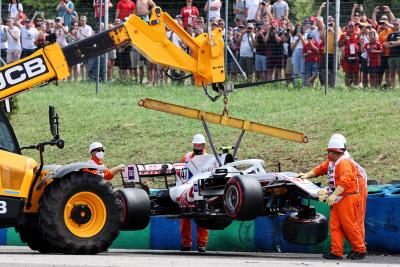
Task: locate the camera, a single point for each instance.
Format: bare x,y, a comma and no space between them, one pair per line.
263,3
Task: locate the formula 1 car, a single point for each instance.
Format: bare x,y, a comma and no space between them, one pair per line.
215,194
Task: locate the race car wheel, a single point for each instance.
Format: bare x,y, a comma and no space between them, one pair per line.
305,231
213,223
80,214
136,208
30,234
243,198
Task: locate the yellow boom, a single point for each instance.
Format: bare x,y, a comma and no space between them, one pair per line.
222,119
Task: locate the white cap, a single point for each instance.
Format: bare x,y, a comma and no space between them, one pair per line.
198,139
94,145
336,144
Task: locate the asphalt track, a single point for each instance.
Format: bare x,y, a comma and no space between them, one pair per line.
23,256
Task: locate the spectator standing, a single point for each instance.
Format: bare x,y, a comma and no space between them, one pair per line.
84,31
393,42
386,29
42,35
296,44
264,11
72,38
124,9
240,10
15,8
189,14
215,8
29,36
364,40
4,43
252,7
143,8
262,36
280,9
350,62
12,34
374,51
247,44
275,55
96,6
310,50
65,9
60,31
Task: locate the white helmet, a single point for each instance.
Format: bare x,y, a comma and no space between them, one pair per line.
336,144
94,145
198,139
339,136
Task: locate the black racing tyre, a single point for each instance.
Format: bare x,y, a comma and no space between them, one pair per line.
243,198
80,214
213,223
136,208
31,235
311,231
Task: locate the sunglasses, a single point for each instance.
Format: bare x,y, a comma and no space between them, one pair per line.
98,150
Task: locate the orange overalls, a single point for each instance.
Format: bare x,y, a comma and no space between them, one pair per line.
344,212
186,224
106,174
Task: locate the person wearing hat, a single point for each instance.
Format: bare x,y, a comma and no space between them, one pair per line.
350,62
310,51
343,195
96,151
29,36
247,45
199,148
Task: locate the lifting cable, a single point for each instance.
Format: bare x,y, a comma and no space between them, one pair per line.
174,78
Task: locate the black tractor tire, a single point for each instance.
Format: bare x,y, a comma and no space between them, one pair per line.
213,223
80,214
311,231
136,208
31,235
243,198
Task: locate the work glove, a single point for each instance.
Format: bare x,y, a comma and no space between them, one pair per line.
331,199
322,194
121,167
306,175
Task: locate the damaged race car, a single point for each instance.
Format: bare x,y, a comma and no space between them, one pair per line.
215,189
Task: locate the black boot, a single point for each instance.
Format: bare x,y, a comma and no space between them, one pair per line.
330,256
359,255
351,253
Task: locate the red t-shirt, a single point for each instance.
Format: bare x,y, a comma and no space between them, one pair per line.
96,8
349,42
374,58
187,12
313,55
125,7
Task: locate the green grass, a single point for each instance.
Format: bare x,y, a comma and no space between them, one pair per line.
369,119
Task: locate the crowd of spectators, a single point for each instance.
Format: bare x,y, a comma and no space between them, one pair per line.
265,43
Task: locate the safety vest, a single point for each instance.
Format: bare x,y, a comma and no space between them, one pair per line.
331,175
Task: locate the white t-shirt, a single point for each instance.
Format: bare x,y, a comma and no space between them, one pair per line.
245,48
4,45
174,38
60,37
28,37
215,14
13,10
252,6
279,9
12,43
84,32
293,40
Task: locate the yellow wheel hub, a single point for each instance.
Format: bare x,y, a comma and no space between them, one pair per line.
85,214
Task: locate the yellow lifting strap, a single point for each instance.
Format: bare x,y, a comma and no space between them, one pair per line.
222,119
